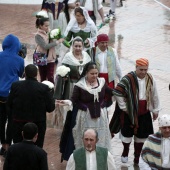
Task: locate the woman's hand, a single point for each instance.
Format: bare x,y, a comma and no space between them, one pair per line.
155,116
60,102
77,4
87,43
112,135
65,78
61,40
103,21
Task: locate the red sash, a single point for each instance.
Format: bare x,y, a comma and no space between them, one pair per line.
106,77
91,13
142,107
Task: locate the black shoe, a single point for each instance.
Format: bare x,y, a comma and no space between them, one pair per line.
111,14
56,61
2,151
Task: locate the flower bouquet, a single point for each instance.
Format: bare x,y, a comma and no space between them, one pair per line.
62,71
49,84
56,34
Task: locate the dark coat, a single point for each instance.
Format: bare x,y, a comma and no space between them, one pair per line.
29,100
25,156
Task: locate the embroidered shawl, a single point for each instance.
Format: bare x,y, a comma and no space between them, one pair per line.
94,91
151,152
129,89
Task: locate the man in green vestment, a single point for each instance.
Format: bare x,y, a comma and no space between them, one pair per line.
91,156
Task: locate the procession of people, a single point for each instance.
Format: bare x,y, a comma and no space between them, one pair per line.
80,81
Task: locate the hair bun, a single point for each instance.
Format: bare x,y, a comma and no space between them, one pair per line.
42,14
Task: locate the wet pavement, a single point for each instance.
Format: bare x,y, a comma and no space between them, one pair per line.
145,28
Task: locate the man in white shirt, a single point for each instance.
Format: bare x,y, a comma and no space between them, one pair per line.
156,149
107,61
91,157
92,6
137,96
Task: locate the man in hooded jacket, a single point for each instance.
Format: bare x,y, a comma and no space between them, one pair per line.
11,68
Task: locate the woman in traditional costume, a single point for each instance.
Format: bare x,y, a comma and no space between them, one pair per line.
88,111
82,25
75,60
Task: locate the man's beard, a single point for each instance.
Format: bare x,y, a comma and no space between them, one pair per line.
89,148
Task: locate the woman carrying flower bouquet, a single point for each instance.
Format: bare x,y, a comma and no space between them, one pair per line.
46,47
82,25
75,60
88,111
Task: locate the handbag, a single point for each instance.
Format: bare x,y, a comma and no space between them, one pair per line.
39,59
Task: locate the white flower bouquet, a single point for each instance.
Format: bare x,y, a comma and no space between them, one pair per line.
56,34
49,84
62,71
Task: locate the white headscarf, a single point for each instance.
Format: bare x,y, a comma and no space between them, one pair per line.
73,21
164,120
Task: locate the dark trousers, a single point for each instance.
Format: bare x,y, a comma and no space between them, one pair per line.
17,132
47,72
3,120
145,126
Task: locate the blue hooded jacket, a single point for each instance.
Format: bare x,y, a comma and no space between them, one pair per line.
11,64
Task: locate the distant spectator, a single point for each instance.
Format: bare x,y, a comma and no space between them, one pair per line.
49,6
113,8
26,155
